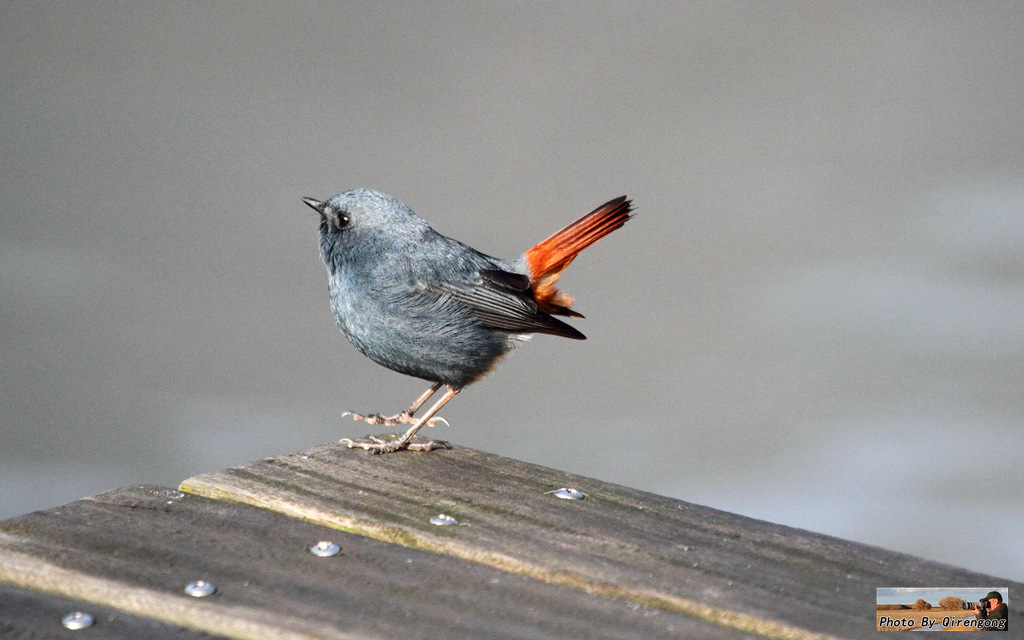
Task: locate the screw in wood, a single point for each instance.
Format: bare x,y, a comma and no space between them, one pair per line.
443,520
78,620
200,589
325,549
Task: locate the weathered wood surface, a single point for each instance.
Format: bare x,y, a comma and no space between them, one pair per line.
31,615
133,550
637,547
522,563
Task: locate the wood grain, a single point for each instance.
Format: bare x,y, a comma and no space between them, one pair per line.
641,548
31,615
133,550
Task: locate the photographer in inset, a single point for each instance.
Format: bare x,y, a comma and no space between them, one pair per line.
992,607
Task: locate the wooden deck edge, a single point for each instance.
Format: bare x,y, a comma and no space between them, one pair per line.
747,623
221,619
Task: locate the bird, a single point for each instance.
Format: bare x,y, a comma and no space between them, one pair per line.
426,305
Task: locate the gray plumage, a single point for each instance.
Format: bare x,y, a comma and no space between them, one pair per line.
418,302
429,306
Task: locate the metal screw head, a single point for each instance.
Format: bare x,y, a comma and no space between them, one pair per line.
443,520
78,620
325,549
568,493
200,589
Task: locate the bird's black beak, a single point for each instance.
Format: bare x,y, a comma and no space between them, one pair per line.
315,205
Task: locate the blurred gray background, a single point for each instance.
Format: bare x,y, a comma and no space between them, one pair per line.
816,318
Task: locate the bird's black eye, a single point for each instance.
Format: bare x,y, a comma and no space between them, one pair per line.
343,220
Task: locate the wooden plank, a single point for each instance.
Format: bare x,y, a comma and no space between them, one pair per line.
650,550
33,615
134,549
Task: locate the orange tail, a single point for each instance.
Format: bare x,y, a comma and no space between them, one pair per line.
548,259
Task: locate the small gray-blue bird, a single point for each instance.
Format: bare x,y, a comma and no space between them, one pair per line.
428,306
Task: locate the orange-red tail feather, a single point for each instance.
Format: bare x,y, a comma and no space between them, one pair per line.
548,259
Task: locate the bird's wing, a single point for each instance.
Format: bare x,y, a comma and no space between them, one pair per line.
503,300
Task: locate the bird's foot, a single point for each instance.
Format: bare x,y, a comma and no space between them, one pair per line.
391,442
389,421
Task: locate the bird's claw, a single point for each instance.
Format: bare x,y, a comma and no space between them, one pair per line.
376,418
391,442
389,421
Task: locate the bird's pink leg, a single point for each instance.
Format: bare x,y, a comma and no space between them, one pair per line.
390,443
400,418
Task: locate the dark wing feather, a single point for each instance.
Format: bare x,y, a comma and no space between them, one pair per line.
503,300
